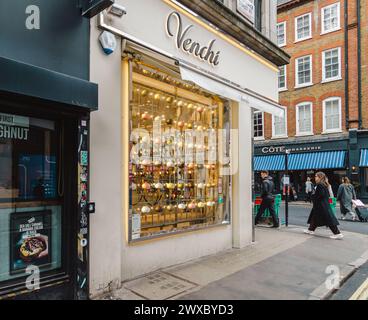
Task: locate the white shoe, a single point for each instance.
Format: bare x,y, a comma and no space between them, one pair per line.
308,232
337,236
343,218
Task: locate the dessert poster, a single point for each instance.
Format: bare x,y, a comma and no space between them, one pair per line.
30,237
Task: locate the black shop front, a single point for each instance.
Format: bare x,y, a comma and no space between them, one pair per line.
45,104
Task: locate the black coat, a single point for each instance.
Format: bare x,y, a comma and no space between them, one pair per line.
267,188
321,214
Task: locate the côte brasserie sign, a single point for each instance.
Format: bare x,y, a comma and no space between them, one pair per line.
176,30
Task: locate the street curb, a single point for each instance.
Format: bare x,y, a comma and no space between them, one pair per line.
361,293
323,293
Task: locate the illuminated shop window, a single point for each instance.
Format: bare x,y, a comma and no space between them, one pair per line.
175,176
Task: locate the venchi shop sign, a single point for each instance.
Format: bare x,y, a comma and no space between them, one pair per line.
184,42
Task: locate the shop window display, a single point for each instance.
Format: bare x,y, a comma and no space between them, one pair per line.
179,136
30,206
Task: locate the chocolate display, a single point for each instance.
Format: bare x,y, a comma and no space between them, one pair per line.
173,184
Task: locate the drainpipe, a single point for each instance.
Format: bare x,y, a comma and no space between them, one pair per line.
359,64
346,48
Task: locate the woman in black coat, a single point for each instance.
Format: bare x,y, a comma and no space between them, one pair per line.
321,214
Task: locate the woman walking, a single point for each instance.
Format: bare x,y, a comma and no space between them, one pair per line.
321,214
346,195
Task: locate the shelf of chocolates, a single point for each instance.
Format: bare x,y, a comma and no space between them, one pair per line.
173,191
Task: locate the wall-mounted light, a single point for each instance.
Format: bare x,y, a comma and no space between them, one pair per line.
117,10
354,169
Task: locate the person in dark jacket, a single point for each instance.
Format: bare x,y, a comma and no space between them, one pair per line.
346,194
267,199
321,214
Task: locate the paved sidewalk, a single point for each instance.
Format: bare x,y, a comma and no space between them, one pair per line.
282,264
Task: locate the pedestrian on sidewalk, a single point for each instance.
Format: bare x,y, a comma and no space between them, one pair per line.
321,214
308,190
267,199
345,195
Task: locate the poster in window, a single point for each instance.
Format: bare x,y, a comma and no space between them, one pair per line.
246,8
30,236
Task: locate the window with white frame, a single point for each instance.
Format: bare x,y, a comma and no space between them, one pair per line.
303,71
330,18
332,115
304,118
246,8
258,125
303,27
331,64
281,34
282,78
279,127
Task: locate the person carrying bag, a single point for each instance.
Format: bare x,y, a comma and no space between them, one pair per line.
346,195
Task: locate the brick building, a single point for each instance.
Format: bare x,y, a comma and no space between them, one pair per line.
325,92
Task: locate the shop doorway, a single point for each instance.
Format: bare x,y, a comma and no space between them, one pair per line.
38,204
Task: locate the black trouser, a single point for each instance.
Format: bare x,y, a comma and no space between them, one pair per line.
334,229
267,203
309,197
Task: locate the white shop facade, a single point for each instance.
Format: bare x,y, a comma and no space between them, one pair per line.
171,147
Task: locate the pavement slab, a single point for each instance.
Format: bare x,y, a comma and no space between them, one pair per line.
209,269
293,274
284,264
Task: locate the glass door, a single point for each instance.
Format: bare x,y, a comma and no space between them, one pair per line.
31,198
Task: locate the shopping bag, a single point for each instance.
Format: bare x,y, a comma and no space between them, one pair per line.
358,203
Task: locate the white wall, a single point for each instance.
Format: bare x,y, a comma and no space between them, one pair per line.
242,180
147,257
105,169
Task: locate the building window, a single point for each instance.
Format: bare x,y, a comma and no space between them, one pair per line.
281,34
258,15
332,115
246,8
331,64
304,118
303,74
331,18
282,78
258,125
279,128
178,138
252,11
303,27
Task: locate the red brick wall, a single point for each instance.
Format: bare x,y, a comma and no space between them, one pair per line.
364,32
315,46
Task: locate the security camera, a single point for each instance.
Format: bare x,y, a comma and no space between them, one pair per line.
108,42
117,10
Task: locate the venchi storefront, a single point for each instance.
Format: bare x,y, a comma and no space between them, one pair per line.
177,108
